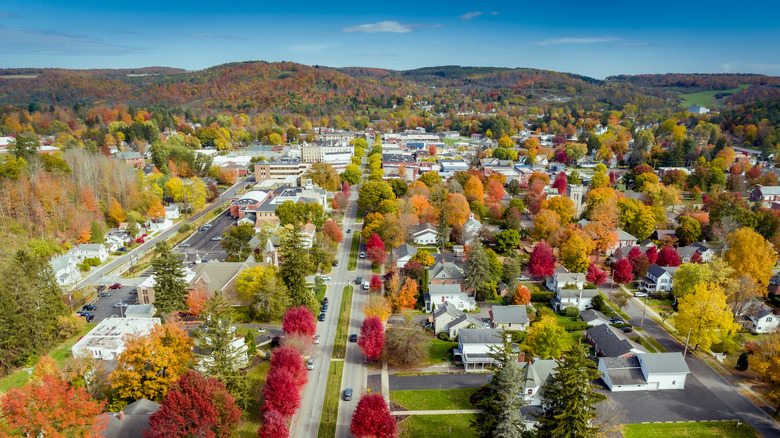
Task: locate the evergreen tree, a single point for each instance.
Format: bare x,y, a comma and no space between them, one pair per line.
170,289
96,233
569,399
294,270
477,266
220,356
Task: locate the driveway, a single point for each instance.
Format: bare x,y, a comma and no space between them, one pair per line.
444,381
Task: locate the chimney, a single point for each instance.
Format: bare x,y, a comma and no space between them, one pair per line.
521,357
121,415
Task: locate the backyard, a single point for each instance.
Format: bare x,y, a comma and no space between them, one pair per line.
437,426
434,399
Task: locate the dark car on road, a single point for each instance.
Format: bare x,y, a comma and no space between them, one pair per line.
348,394
353,338
325,300
358,280
321,317
89,307
335,263
324,308
104,294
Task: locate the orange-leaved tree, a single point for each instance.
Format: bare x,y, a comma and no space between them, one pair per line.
522,296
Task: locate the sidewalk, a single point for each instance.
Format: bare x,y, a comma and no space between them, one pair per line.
438,369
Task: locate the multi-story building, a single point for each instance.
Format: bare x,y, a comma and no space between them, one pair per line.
265,170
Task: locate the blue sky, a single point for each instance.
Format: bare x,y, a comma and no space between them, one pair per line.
596,39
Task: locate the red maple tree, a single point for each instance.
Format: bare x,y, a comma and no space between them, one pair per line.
377,255
668,257
274,425
595,275
541,263
195,406
652,255
332,231
51,407
622,272
374,242
299,321
372,418
345,188
281,393
290,359
561,183
376,283
372,337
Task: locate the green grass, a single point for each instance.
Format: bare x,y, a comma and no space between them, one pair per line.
434,399
714,429
320,292
340,343
430,249
437,426
376,269
353,253
330,408
657,346
659,303
439,351
707,98
251,419
650,348
15,380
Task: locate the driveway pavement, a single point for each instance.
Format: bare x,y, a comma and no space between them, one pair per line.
444,381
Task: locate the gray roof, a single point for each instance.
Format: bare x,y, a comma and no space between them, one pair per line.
538,371
620,362
610,342
622,235
466,320
756,310
480,336
574,293
507,314
445,307
445,270
664,363
128,155
589,315
404,251
61,262
139,309
658,271
687,251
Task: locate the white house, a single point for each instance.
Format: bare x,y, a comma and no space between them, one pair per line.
439,294
403,254
658,279
158,224
623,239
90,250
579,298
757,317
307,235
448,319
107,340
470,229
66,269
644,372
509,318
425,234
172,212
475,346
594,317
562,280
536,374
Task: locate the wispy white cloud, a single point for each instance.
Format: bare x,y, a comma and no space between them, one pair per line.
311,47
30,41
632,44
380,27
558,41
216,36
470,15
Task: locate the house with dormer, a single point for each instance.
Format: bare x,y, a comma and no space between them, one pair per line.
448,319
759,318
90,250
536,373
565,280
445,273
512,318
402,254
765,194
579,298
424,234
438,294
658,279
66,269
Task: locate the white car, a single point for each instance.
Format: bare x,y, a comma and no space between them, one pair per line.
310,364
325,277
640,294
523,278
317,339
366,285
362,255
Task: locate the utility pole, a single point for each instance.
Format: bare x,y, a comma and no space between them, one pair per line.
686,342
642,324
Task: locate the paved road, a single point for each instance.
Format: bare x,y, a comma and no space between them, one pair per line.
201,247
307,420
95,276
708,386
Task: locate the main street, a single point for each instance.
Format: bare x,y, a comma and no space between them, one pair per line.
307,420
95,275
712,383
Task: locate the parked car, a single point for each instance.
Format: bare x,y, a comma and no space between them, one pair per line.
119,305
123,249
362,255
524,278
317,339
310,364
358,280
348,394
216,238
115,286
627,329
134,291
140,240
324,308
640,294
366,285
335,263
89,318
616,320
349,231
89,307
104,294
80,313
184,245
325,300
353,338
325,277
321,317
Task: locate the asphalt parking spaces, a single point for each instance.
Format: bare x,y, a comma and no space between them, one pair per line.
105,305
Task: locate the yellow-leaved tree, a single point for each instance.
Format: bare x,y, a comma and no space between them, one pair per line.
378,306
767,362
707,316
574,252
749,253
150,364
547,338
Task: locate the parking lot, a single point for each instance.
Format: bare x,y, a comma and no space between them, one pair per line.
105,305
200,244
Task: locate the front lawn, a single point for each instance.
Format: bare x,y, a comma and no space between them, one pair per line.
437,426
714,429
439,351
434,399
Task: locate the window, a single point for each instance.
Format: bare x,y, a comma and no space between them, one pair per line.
674,382
768,319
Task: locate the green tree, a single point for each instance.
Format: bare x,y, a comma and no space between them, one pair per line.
264,289
477,270
235,241
500,402
24,146
96,233
507,240
170,289
352,174
295,268
372,193
569,398
688,230
324,176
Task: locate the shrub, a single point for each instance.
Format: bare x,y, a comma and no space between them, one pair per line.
444,336
742,362
752,347
92,261
574,325
572,312
183,228
598,302
542,297
69,325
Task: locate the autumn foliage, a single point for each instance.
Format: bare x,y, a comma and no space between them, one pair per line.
406,296
372,337
376,283
668,257
372,418
281,392
622,271
541,263
290,359
522,296
274,425
299,321
332,231
195,406
596,275
51,408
